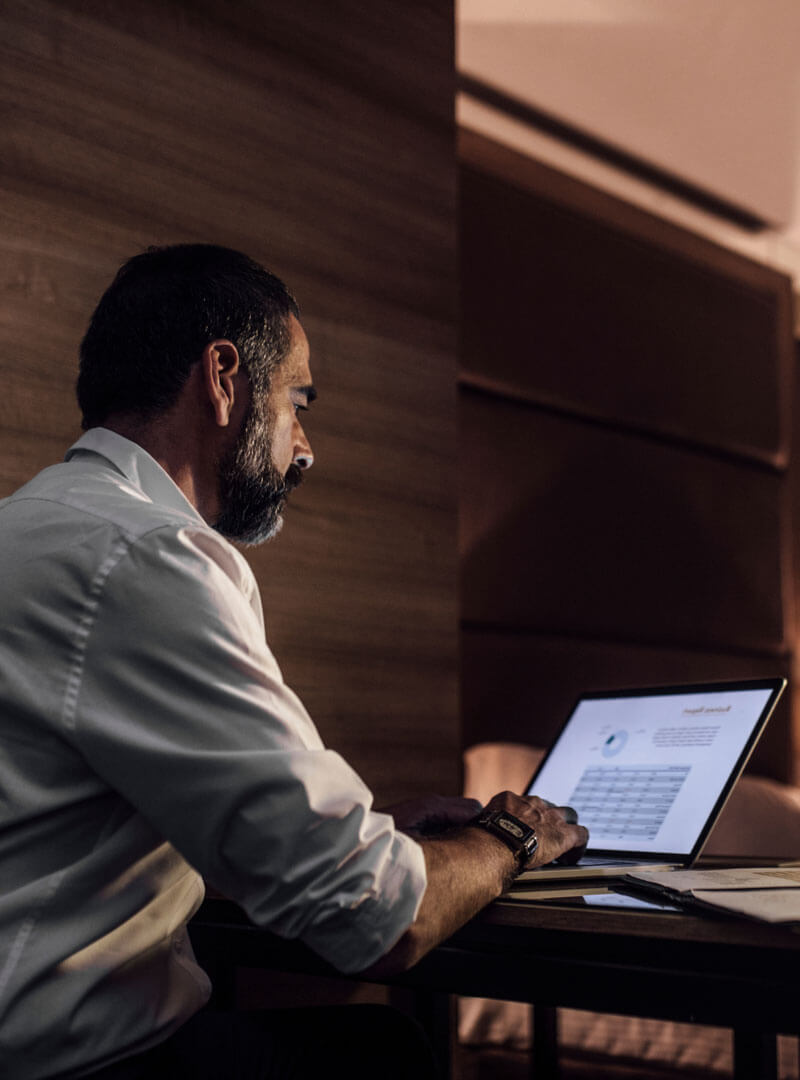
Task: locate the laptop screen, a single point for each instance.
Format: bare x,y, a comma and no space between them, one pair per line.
648,771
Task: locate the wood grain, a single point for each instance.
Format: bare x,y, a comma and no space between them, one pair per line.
319,139
614,315
628,455
525,685
586,530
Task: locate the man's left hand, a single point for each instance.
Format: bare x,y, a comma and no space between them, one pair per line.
433,813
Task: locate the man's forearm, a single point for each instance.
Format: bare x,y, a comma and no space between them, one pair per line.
469,868
466,870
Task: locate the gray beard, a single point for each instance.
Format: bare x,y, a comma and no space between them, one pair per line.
252,490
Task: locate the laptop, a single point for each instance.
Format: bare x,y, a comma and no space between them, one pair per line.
649,771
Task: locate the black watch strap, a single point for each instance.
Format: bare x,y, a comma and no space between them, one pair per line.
515,834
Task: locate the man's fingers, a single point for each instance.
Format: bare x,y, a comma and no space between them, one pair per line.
456,810
567,812
558,840
560,837
574,853
433,813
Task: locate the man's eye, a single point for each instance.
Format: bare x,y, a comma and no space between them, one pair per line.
299,408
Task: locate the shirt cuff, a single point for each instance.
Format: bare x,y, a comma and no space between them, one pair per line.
359,935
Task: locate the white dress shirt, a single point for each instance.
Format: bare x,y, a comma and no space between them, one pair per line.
147,738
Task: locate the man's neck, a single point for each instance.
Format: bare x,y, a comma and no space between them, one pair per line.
168,443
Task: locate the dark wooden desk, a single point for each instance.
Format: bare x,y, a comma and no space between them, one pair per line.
722,971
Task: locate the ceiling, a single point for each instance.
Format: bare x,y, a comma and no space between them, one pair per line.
705,92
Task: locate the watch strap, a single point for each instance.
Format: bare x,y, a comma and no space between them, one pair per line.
515,834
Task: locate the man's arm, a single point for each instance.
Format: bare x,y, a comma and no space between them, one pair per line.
469,868
432,814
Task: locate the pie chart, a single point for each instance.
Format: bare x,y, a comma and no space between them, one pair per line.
614,743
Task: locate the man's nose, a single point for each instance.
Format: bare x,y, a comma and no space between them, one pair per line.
302,457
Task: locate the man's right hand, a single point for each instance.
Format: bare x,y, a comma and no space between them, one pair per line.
467,868
558,837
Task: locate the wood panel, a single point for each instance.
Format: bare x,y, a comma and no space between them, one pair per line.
575,300
629,475
579,529
394,616
521,687
319,139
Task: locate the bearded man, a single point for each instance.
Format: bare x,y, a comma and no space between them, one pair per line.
148,740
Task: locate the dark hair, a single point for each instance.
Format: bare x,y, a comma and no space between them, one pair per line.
159,313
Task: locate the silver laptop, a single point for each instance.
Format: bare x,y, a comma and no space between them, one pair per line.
649,771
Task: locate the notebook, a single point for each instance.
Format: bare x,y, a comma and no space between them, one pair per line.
649,771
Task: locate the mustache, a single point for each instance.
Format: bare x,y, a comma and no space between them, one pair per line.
293,478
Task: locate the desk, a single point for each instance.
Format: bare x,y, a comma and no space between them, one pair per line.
722,971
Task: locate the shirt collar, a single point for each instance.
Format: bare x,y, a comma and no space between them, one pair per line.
136,465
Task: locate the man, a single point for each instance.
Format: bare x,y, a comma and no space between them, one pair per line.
147,737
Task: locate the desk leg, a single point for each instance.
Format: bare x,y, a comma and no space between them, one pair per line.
544,1049
437,1014
755,1055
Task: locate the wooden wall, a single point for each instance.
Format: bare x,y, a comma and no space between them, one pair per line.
318,138
626,455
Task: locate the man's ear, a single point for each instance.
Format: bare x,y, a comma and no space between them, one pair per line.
220,366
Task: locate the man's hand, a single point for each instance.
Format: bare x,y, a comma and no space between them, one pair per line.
467,868
559,838
432,814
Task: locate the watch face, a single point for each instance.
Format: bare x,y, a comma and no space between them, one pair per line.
517,832
521,838
514,827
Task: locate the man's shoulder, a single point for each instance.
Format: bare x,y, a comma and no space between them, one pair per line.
94,512
102,495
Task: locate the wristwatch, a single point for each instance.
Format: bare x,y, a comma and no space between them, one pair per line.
515,834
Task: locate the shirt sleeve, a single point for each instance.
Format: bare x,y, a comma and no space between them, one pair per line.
175,700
